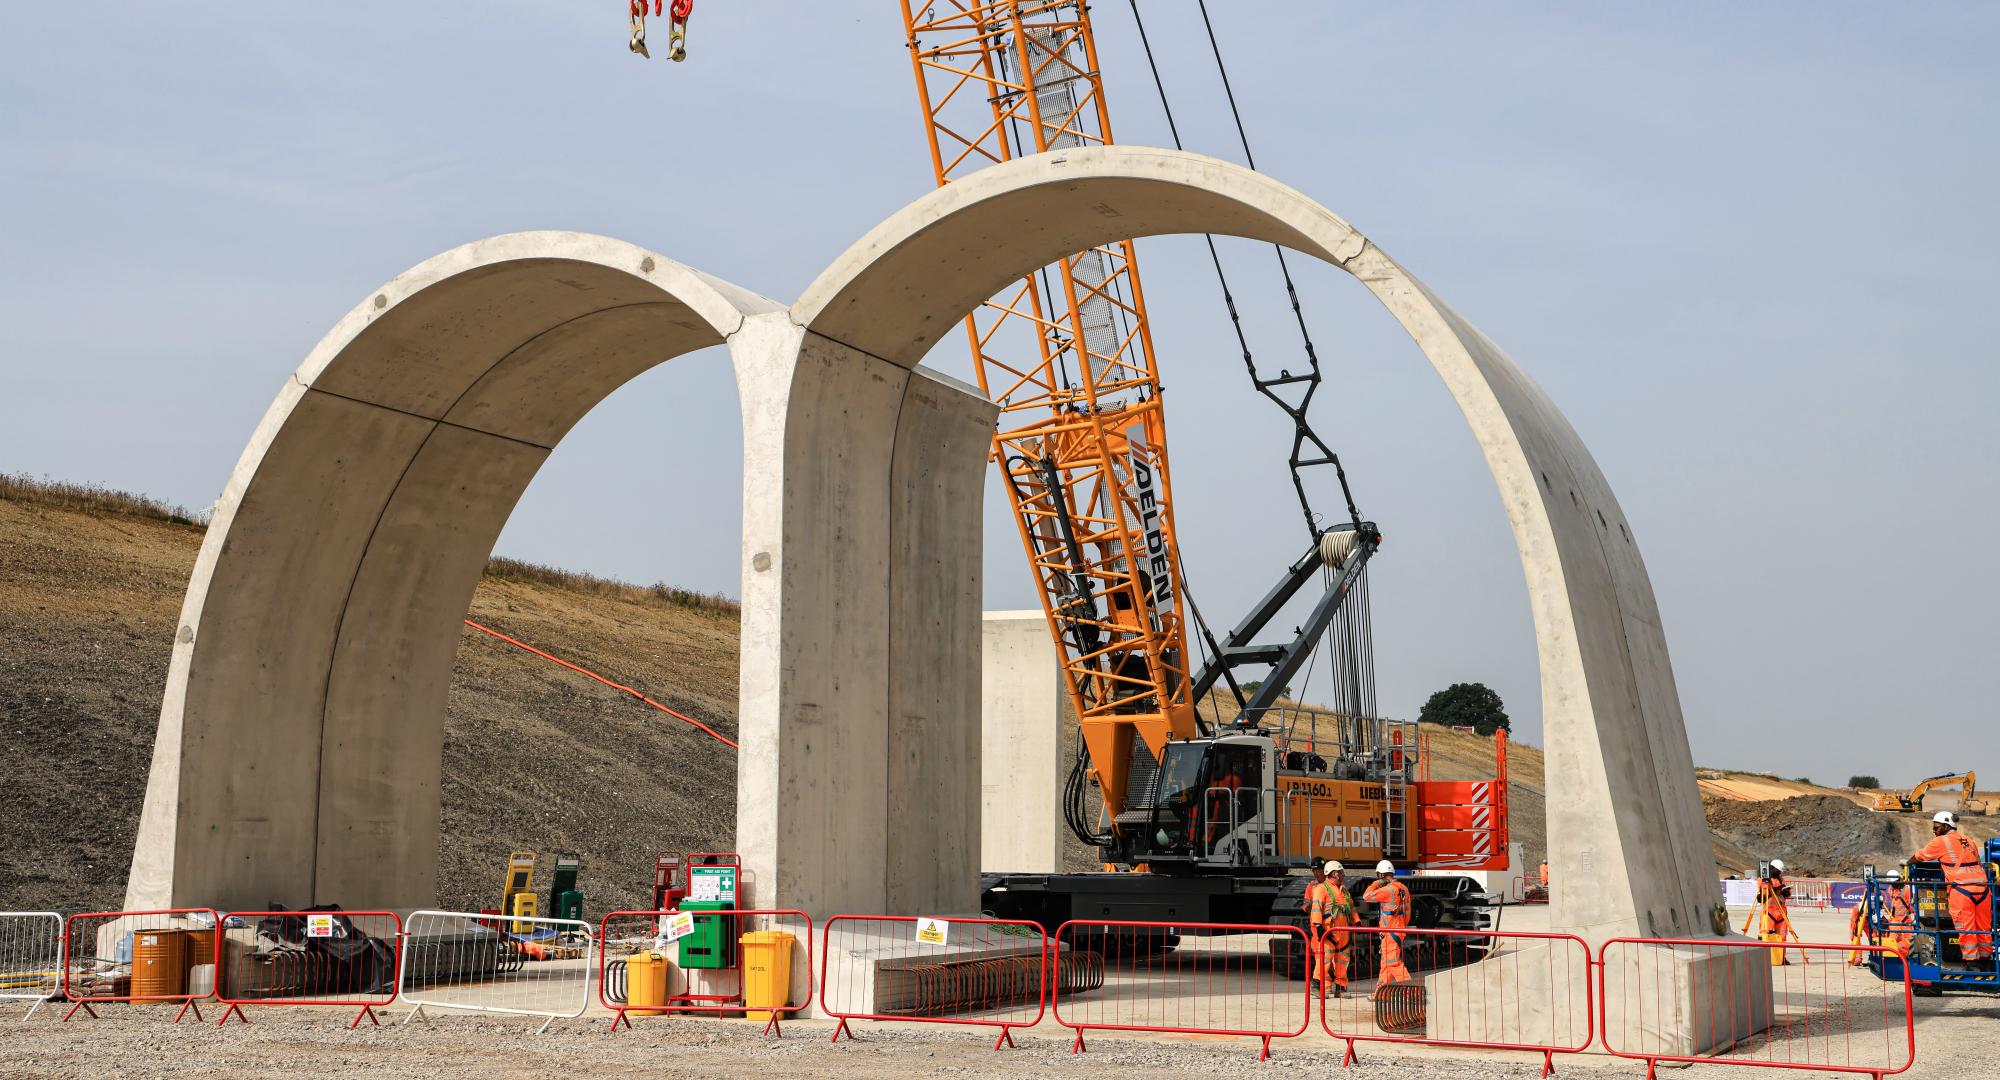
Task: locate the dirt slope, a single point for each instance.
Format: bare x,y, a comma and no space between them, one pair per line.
536,757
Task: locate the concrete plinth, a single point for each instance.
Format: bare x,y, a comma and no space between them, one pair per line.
1531,993
1666,1001
875,972
1021,760
1536,992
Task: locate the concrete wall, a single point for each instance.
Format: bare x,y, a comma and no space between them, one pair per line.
1629,819
1021,764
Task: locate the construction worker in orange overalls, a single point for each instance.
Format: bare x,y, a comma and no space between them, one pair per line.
1858,932
1327,903
1394,897
1969,893
1899,919
1771,895
1329,907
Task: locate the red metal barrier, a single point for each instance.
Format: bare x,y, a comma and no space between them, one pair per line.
1723,1002
1478,989
340,958
1192,978
137,956
972,972
624,935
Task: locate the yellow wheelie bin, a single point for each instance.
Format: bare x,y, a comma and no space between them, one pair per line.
646,982
767,972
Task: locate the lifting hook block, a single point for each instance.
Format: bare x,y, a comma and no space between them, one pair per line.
676,27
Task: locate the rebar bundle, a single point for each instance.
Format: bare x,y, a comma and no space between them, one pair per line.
962,986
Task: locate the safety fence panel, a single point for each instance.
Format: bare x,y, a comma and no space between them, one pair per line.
1192,978
1813,893
728,962
1468,988
344,958
31,947
937,970
497,964
165,955
1770,1004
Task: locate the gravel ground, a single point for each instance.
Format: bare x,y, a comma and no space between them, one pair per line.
313,1044
1958,1039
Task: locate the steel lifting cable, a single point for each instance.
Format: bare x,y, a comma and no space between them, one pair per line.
1303,432
615,686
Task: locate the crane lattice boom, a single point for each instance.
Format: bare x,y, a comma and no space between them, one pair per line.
1068,355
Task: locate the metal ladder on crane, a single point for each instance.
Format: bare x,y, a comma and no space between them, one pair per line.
1395,782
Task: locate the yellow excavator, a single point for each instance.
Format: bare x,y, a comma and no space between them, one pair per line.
1894,802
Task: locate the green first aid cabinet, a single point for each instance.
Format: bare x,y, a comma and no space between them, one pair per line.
711,945
713,942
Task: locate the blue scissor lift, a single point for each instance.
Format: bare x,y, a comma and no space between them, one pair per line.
1935,964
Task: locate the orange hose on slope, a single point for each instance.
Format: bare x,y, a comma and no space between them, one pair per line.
615,686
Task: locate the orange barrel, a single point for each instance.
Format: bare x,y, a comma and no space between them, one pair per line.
200,948
159,964
646,982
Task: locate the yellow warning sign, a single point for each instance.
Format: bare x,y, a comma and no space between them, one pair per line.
931,930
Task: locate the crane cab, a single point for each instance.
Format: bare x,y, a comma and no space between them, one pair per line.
1245,800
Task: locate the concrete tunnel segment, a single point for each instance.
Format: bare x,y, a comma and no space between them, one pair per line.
860,596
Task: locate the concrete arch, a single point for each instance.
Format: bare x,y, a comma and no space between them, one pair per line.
1629,804
305,695
300,738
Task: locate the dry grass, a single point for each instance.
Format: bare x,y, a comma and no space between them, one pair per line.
93,499
505,569
98,499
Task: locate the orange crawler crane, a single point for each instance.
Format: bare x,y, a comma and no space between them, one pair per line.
1218,813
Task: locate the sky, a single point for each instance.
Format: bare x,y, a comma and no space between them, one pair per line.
1749,251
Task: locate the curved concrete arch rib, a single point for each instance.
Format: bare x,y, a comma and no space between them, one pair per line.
300,738
1627,817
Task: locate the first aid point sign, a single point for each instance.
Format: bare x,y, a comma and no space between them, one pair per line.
932,930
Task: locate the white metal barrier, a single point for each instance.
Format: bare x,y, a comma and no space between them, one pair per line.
31,967
1814,893
497,964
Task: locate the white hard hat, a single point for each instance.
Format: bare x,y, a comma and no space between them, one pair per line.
1333,867
1385,867
1778,865
1891,877
1944,817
